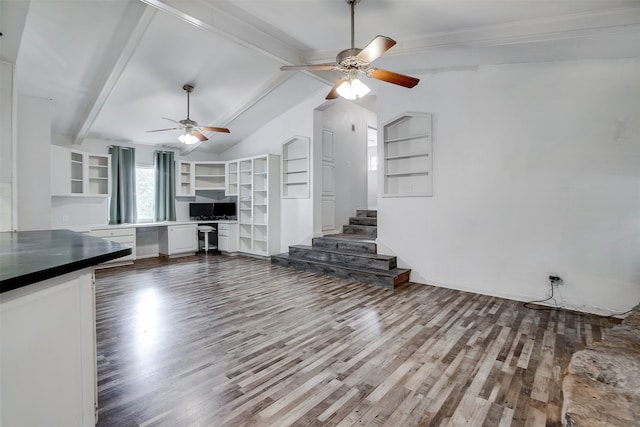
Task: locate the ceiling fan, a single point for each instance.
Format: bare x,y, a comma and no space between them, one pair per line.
192,131
353,61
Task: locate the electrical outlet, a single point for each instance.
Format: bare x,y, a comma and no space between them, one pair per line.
555,279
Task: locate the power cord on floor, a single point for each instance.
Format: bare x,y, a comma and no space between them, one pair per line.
527,304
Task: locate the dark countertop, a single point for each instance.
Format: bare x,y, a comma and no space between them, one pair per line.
27,257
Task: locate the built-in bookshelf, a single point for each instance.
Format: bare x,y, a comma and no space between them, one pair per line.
232,182
295,168
245,209
259,206
408,156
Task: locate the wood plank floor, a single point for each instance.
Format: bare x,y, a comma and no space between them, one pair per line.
233,341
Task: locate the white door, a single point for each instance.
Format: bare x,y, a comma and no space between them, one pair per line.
328,182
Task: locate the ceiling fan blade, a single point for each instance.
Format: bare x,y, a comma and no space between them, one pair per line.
214,129
162,130
171,120
375,49
199,135
316,67
391,77
333,93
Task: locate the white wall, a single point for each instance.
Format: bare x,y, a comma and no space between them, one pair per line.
536,171
296,215
34,163
7,117
349,123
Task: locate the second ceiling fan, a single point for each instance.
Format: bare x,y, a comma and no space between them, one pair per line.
192,131
353,61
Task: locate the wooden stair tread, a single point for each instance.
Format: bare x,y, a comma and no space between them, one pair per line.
387,273
344,252
358,237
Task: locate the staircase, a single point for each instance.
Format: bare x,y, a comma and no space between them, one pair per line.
350,255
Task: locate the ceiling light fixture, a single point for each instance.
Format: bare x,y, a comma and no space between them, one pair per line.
352,89
188,139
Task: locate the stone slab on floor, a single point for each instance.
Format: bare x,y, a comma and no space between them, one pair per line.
601,387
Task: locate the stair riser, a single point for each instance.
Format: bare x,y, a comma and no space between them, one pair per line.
344,260
364,277
366,213
360,229
345,245
363,220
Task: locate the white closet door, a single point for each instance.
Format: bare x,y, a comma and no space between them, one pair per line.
328,182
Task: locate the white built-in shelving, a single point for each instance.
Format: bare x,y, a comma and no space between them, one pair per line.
232,181
194,176
295,168
408,156
209,175
77,173
259,210
184,179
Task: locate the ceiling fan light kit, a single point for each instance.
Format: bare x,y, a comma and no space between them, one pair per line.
188,139
353,61
192,131
352,89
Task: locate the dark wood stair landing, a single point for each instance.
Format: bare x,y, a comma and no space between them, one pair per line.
350,255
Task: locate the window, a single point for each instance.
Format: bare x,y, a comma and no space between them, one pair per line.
145,192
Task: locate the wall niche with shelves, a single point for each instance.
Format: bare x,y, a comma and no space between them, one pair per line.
295,168
408,156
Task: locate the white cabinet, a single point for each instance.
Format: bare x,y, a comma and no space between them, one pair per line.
125,236
76,173
408,152
227,237
184,179
232,181
295,168
48,353
259,211
209,175
178,239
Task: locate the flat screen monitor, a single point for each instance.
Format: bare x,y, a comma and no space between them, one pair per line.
201,210
224,210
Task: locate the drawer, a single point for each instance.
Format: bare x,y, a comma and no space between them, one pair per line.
125,240
223,227
115,232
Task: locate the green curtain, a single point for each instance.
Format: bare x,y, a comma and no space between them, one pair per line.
165,186
122,208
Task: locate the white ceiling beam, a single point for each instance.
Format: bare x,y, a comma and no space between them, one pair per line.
532,31
132,28
223,23
13,16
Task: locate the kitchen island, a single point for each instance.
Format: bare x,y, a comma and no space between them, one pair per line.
47,326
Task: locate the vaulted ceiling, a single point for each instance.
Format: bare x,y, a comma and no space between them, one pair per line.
114,68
